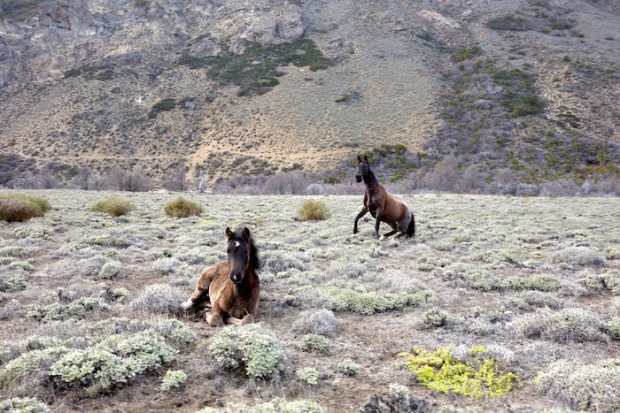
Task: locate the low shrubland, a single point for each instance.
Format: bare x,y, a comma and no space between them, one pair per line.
532,280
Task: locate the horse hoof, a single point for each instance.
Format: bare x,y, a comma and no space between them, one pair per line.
187,304
382,237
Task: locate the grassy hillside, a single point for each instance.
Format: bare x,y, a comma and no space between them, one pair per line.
528,287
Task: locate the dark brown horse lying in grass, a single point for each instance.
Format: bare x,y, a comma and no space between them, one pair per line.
382,205
231,286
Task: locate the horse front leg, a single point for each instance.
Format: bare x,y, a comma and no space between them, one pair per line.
214,317
202,288
363,212
378,222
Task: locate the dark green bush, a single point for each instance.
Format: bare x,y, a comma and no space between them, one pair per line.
182,208
256,70
19,9
508,22
467,53
20,207
163,105
114,205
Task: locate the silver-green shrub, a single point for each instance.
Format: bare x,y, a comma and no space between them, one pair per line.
321,322
250,348
75,310
113,362
579,256
159,299
348,367
316,344
23,405
308,375
173,380
591,387
566,325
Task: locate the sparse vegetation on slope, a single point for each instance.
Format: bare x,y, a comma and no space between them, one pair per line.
256,70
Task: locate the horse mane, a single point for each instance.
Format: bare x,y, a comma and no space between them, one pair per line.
254,252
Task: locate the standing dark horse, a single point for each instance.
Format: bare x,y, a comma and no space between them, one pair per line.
382,205
231,286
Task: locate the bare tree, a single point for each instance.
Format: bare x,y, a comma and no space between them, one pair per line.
176,179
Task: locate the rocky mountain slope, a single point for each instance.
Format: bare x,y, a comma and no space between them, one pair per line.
526,89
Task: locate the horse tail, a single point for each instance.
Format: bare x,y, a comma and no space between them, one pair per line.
411,227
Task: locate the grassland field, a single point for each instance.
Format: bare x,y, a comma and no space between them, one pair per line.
536,281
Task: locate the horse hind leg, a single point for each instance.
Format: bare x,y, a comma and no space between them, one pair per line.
392,232
247,319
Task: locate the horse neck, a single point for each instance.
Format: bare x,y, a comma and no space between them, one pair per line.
371,182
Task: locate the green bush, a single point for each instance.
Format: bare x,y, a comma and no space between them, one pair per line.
182,208
344,298
312,210
163,105
113,362
23,405
508,22
72,311
249,348
114,206
348,367
19,9
467,53
20,207
308,375
173,380
315,343
12,283
256,70
477,377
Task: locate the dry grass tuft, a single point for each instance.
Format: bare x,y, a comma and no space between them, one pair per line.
182,208
21,208
312,210
114,206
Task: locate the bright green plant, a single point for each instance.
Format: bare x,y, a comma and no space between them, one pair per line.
114,206
312,210
182,208
476,377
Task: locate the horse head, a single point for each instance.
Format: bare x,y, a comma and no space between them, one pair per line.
239,253
363,168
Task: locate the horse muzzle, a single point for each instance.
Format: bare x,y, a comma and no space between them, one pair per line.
236,278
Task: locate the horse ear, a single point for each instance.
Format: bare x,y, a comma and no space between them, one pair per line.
246,234
359,158
366,159
229,233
